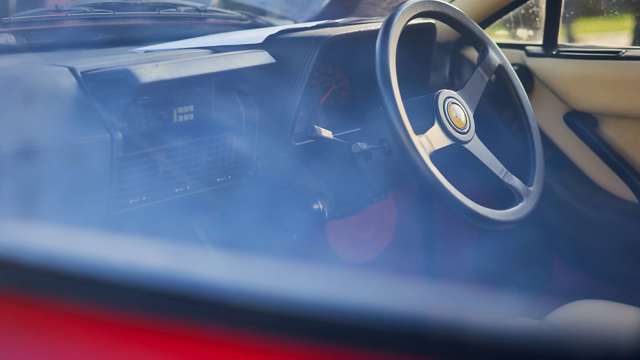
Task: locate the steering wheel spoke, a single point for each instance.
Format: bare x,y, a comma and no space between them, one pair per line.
475,86
435,139
480,151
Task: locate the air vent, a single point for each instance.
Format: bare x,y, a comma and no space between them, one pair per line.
162,173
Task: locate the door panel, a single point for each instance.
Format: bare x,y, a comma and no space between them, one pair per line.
593,86
624,135
605,88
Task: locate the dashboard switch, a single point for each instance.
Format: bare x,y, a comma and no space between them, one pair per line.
320,133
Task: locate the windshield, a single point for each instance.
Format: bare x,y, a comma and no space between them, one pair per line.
297,10
294,10
300,10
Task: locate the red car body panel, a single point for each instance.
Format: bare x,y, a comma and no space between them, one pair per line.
33,327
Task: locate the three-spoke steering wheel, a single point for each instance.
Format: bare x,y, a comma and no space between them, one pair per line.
453,111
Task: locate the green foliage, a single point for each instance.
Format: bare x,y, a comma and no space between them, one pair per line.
603,24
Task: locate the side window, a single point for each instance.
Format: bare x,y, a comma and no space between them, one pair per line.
600,23
524,25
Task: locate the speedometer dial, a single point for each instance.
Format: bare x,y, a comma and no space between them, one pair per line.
327,101
332,85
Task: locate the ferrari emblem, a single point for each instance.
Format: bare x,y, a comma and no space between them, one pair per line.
457,116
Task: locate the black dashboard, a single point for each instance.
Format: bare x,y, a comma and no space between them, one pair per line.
178,136
151,130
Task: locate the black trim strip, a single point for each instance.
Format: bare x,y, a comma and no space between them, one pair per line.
536,51
553,14
610,52
577,53
586,127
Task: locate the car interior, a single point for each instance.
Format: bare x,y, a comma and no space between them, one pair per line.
425,180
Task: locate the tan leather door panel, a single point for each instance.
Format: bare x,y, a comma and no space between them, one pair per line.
608,89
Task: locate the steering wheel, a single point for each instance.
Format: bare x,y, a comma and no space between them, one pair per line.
453,111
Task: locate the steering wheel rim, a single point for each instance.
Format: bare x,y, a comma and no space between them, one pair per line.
454,124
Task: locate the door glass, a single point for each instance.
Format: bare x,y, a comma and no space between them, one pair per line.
601,23
523,25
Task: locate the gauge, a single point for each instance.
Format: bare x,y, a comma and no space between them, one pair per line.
327,101
332,85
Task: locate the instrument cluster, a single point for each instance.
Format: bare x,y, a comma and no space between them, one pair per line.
342,88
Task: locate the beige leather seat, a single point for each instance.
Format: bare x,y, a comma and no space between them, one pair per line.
599,321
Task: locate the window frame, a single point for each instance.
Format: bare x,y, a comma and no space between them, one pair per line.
551,30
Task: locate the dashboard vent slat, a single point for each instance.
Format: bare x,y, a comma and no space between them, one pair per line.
170,171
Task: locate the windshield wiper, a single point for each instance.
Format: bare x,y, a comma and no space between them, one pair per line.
62,10
121,7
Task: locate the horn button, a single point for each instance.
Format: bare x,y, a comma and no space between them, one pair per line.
455,116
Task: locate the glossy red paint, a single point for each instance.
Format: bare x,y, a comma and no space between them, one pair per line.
36,328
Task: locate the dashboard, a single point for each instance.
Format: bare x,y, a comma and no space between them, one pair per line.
140,133
175,134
